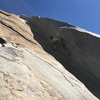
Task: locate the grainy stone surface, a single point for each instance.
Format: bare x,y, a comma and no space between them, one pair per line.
27,72
28,76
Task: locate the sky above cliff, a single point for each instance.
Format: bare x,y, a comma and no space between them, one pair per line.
82,13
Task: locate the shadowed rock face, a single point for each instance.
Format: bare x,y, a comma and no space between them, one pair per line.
2,42
27,72
79,52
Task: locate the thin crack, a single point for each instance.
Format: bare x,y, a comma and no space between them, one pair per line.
63,76
17,32
74,87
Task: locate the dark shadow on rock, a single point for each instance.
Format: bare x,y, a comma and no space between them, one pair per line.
86,78
2,42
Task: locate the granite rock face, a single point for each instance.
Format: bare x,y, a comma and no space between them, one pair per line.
27,72
76,48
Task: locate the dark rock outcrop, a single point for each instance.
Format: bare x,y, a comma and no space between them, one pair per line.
2,42
78,52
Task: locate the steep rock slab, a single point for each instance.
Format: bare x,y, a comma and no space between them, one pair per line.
78,49
24,75
12,26
27,72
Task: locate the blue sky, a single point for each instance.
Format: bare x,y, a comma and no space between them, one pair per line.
82,13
